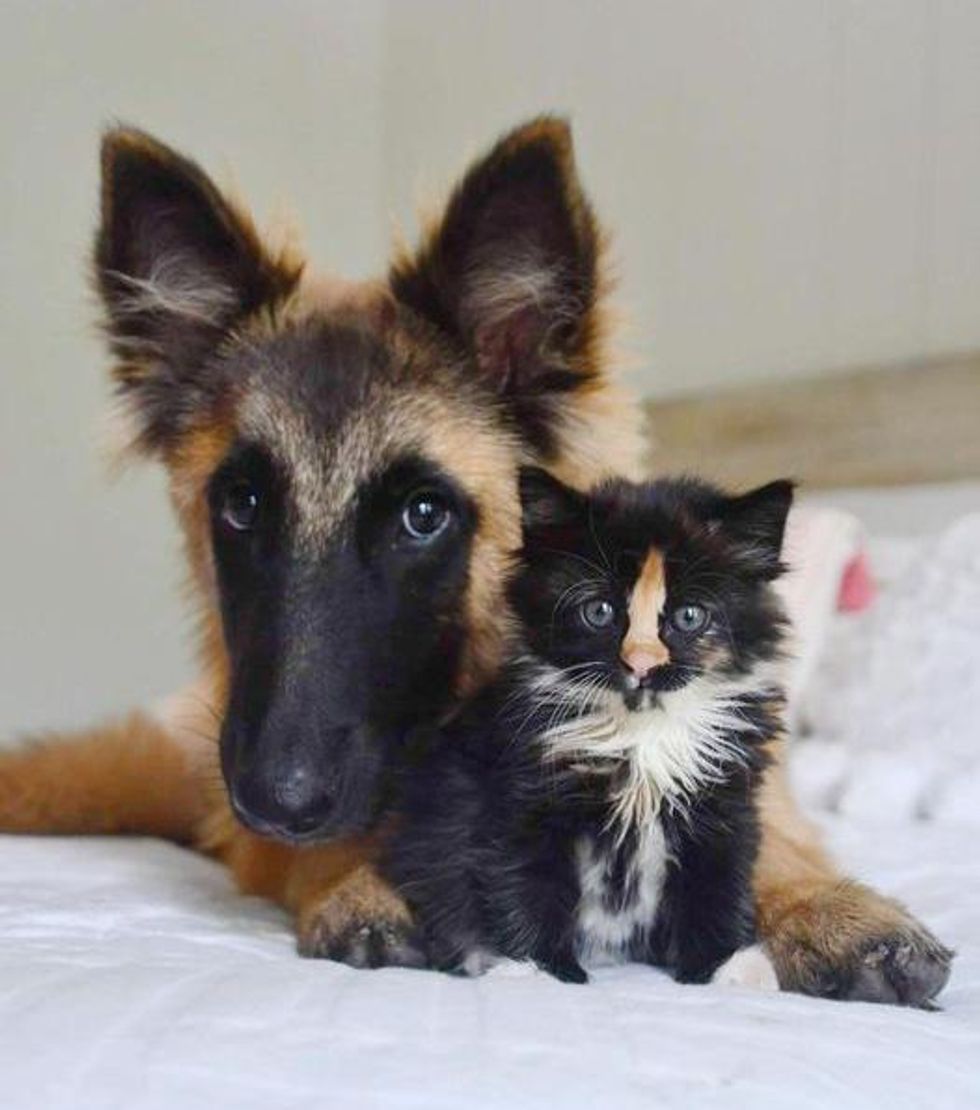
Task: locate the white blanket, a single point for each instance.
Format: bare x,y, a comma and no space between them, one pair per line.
132,975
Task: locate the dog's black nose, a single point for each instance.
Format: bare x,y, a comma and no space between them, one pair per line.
293,806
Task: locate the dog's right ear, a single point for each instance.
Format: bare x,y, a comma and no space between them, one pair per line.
510,271
177,266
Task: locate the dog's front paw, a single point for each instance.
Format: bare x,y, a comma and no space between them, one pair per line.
363,923
844,941
907,968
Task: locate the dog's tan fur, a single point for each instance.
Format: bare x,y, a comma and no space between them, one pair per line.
98,783
159,774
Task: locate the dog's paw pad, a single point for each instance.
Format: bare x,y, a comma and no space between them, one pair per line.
908,969
366,944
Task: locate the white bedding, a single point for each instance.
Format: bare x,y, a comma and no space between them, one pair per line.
132,975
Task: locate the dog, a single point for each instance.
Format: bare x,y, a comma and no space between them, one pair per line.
343,463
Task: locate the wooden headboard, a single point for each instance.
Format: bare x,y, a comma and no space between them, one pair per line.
894,425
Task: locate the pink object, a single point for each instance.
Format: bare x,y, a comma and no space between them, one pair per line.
857,585
820,545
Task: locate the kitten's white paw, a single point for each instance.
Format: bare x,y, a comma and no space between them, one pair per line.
749,967
477,962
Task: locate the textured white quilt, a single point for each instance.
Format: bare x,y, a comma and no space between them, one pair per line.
131,975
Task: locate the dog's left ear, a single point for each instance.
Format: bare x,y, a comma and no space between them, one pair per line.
510,271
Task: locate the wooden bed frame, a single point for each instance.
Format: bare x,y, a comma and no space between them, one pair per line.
879,426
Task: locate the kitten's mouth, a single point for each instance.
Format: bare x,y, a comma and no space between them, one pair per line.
661,680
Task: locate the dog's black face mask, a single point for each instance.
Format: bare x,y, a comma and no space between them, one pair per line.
336,640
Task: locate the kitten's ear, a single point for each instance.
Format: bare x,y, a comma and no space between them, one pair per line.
176,266
546,503
510,271
757,521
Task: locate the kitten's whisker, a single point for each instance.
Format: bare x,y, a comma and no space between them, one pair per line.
598,542
601,571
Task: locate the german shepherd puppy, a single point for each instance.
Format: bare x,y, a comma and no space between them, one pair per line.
343,463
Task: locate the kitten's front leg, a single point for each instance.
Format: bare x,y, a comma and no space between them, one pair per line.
699,956
535,908
707,912
563,964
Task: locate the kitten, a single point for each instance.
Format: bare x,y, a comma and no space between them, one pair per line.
598,801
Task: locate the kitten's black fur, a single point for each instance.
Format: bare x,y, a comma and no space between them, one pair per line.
516,836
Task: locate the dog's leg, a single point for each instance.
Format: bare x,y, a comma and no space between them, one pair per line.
344,911
830,936
133,776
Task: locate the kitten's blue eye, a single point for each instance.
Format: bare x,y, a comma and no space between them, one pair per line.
598,612
690,619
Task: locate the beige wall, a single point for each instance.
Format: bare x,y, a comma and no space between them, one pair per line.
286,94
794,186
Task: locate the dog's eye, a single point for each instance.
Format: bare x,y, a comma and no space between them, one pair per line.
240,506
426,514
598,612
690,619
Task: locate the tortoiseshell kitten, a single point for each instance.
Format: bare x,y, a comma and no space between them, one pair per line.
599,800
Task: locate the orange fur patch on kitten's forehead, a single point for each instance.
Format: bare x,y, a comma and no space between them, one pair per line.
645,604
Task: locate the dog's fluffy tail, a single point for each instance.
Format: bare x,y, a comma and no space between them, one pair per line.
133,776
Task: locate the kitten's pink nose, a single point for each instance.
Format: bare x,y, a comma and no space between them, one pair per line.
642,656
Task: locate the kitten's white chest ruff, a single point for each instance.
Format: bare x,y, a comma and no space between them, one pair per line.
665,754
